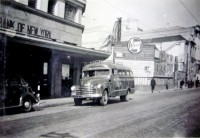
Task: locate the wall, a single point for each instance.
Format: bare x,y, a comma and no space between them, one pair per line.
33,24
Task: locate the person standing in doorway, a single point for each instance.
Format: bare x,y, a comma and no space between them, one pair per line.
153,84
181,84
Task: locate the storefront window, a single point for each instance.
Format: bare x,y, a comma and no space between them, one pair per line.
70,12
45,68
65,71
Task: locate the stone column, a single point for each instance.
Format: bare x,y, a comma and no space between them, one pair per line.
25,2
3,44
60,8
55,74
42,5
77,71
78,15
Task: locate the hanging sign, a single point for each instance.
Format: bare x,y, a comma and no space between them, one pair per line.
135,45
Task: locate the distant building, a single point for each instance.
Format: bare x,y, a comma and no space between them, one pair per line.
41,40
174,54
168,53
148,63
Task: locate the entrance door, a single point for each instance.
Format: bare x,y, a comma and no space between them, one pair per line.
66,80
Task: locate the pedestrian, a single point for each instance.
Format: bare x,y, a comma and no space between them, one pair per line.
153,84
197,82
181,84
167,84
192,83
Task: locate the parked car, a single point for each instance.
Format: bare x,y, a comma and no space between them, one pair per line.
18,94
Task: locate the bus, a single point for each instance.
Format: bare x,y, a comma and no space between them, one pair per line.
101,80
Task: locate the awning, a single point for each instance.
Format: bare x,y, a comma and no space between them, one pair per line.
53,44
164,39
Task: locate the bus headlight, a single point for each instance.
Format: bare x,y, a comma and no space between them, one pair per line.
73,88
98,86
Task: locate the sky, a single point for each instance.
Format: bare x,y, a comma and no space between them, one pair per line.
100,16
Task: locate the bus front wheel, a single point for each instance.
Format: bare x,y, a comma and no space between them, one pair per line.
104,98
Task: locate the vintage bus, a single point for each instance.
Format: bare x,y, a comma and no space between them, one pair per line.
101,80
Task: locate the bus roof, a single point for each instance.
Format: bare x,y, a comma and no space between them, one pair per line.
105,65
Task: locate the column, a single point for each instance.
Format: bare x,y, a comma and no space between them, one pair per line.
77,71
78,15
60,8
25,2
55,74
3,44
42,5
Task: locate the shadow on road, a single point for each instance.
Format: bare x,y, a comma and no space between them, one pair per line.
96,103
14,111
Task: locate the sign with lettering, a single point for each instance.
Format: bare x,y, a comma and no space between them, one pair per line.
139,68
135,45
24,28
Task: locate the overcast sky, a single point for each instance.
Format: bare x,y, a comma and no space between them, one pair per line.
100,15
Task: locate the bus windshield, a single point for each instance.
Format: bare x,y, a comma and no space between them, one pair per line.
99,73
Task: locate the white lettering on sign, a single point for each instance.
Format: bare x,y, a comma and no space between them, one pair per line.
26,28
135,45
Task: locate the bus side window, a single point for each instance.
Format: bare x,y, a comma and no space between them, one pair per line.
131,73
114,72
127,73
123,73
119,72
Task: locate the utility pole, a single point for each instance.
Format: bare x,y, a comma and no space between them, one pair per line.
119,30
115,37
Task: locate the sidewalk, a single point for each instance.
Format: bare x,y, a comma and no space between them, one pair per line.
70,100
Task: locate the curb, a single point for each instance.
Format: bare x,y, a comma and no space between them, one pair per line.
70,100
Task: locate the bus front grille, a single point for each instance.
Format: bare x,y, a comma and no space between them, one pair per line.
82,90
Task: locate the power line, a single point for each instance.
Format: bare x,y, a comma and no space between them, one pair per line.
189,11
119,9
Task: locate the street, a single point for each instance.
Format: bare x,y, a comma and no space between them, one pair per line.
164,114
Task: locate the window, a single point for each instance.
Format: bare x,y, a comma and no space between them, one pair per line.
70,12
51,6
114,71
32,3
96,73
121,72
65,71
45,68
128,73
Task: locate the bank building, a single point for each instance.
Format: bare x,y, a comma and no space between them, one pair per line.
41,41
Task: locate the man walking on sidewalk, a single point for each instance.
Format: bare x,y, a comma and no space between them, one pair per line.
167,84
153,84
197,82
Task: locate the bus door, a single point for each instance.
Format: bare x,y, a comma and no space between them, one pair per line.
115,82
124,85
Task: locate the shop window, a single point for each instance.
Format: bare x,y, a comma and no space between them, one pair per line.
51,6
45,68
65,71
70,12
32,3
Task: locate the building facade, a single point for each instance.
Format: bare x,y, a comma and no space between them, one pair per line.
148,63
41,41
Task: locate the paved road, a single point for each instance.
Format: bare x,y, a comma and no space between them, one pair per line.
167,114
